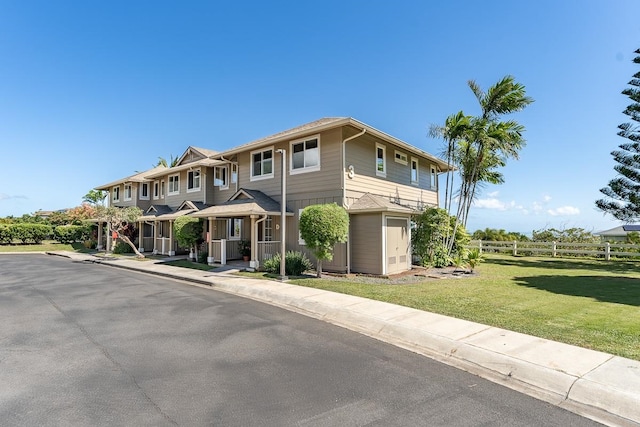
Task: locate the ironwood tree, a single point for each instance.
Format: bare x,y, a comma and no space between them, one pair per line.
622,199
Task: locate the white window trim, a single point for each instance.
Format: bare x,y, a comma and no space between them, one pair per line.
194,189
125,197
142,184
300,239
417,180
169,192
226,185
384,160
273,164
403,157
231,226
115,191
156,186
162,189
306,169
233,176
270,221
433,179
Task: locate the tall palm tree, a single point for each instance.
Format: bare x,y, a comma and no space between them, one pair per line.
163,162
490,136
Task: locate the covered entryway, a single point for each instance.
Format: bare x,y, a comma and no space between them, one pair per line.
397,245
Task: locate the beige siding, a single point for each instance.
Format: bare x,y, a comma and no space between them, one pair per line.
175,200
366,243
402,194
328,177
396,185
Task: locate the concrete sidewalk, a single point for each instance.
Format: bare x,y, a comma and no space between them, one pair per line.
597,385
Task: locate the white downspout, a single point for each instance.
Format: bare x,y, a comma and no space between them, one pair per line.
344,190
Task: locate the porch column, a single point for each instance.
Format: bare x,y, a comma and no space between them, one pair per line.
171,251
141,236
254,243
155,237
109,241
99,246
210,258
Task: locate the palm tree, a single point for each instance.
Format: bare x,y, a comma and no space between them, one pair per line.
163,162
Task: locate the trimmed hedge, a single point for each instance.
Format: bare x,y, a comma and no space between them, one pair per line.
71,233
25,232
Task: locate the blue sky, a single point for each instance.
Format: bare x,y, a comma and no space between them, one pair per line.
91,92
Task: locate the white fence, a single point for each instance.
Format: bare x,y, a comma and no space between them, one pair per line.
604,250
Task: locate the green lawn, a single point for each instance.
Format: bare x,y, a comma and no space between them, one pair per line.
47,245
589,303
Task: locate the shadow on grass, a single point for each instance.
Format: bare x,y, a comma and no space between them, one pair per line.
568,264
615,289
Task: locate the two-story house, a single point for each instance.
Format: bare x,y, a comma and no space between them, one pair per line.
380,180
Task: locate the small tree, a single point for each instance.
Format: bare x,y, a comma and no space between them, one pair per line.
430,236
95,197
120,220
188,232
321,227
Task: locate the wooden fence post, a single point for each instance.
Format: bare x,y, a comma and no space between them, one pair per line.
607,251
515,247
480,246
554,249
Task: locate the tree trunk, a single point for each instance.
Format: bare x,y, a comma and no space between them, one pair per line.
130,243
319,269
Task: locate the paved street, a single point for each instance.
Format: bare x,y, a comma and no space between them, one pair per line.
85,344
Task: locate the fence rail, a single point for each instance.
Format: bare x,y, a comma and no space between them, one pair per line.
605,250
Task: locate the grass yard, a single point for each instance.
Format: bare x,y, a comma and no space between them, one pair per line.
588,303
47,245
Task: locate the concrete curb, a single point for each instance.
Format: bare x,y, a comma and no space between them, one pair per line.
596,385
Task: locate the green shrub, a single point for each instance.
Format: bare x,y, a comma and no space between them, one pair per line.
71,233
31,233
202,257
6,234
295,264
122,248
90,244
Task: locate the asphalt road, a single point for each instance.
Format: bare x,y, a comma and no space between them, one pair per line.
89,345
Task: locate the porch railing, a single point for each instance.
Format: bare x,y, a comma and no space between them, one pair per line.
266,250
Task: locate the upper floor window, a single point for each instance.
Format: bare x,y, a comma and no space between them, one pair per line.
220,177
262,164
115,194
162,189
234,173
400,157
381,160
415,168
434,178
193,180
144,191
305,155
174,184
127,192
156,190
